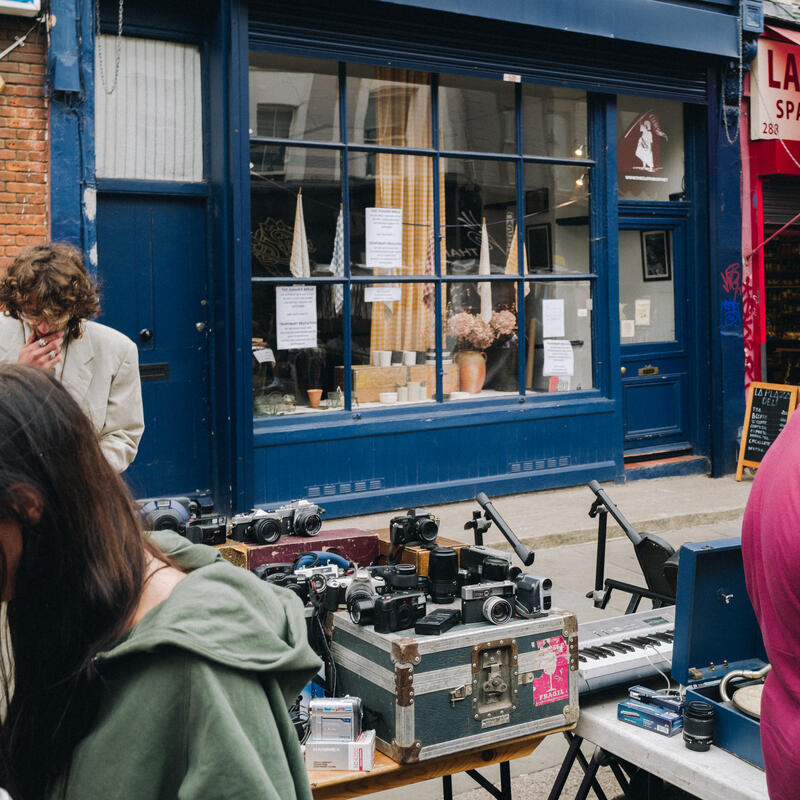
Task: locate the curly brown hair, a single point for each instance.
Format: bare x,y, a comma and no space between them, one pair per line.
52,279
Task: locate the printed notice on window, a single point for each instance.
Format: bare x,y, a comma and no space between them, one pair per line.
553,318
381,294
296,317
558,358
384,238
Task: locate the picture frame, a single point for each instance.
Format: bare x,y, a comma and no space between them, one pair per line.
538,241
537,201
656,261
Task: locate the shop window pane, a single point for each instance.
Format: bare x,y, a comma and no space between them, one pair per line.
151,126
391,214
293,97
297,347
650,160
478,190
481,340
557,218
388,106
646,288
284,244
477,115
558,347
393,338
554,122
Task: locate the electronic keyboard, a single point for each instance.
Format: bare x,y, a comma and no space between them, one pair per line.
625,649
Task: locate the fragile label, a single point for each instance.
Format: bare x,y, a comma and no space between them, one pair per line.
551,659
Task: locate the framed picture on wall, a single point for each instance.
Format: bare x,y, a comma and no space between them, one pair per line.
540,250
655,256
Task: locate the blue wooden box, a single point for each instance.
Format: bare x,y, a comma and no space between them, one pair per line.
716,632
473,686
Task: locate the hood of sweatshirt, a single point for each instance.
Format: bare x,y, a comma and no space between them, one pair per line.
226,615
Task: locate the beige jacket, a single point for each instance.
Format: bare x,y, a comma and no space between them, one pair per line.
101,371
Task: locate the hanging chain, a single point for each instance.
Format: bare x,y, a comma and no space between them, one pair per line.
101,66
732,139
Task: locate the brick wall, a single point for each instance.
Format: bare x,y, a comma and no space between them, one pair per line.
24,149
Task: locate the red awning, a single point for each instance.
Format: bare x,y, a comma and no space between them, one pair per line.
784,33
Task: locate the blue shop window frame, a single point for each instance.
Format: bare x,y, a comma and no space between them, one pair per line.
587,423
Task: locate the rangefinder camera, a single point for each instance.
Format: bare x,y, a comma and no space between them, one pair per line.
298,518
335,718
532,597
489,602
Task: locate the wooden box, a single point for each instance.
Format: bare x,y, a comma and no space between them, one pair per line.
369,381
473,686
352,543
414,554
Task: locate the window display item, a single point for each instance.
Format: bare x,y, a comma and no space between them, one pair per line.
468,687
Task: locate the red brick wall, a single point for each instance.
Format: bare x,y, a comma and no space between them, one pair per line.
24,148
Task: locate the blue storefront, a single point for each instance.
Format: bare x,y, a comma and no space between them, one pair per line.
385,254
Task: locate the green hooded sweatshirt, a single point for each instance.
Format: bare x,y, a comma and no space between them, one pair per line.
195,696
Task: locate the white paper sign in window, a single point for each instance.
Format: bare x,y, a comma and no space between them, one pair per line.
296,317
149,125
384,238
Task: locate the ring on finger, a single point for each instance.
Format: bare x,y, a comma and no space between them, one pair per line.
51,355
43,342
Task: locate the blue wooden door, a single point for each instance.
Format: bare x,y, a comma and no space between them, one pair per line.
153,271
657,386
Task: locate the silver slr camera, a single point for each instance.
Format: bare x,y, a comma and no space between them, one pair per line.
298,518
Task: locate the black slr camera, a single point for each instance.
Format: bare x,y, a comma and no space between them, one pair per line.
389,612
415,527
490,602
298,518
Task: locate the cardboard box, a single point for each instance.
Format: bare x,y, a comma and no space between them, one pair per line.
352,543
357,756
650,717
414,554
672,702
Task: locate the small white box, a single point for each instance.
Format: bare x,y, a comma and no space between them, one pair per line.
357,756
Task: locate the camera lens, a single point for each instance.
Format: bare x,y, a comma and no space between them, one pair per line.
361,609
428,530
307,522
402,576
163,519
405,616
266,531
443,574
495,569
497,610
698,725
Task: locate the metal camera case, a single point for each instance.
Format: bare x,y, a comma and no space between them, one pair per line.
398,611
407,529
206,530
474,601
533,598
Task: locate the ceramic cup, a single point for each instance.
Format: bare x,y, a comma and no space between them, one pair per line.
402,394
385,358
409,357
413,391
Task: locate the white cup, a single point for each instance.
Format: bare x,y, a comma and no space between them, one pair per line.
402,394
385,358
409,357
413,391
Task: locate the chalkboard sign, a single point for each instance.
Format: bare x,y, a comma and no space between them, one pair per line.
769,406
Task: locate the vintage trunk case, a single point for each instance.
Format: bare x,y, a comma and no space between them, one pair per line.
352,543
475,685
716,632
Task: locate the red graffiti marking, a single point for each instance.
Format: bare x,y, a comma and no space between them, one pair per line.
732,280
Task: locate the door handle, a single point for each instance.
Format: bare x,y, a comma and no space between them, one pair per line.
145,335
623,370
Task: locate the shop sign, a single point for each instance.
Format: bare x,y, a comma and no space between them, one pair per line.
641,151
775,92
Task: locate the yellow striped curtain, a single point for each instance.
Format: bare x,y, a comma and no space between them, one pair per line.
406,182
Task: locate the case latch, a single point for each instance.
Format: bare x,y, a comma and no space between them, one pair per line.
459,693
495,682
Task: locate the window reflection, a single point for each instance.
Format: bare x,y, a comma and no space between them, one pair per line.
554,122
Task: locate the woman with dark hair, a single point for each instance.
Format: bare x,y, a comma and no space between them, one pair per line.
145,667
49,300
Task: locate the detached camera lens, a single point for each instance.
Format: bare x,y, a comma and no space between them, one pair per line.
361,609
443,574
698,725
497,610
494,569
266,531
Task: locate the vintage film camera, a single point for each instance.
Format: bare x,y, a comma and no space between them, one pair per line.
298,518
489,602
304,582
185,515
414,527
391,612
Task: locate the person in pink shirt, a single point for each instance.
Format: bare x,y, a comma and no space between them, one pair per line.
771,553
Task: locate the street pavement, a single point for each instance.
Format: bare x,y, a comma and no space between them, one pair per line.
556,525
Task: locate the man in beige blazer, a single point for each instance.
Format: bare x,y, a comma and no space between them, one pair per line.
48,298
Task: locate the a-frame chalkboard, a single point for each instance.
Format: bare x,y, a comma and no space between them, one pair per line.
769,406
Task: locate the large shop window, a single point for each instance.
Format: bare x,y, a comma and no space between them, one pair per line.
378,236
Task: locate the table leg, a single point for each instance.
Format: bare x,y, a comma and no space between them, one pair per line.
505,781
589,777
566,765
